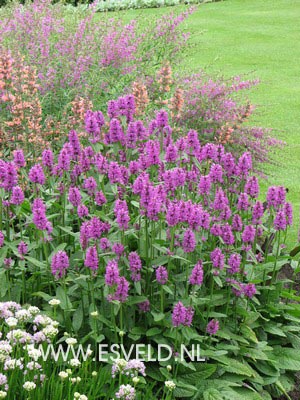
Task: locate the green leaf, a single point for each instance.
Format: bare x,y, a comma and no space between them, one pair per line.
235,366
136,300
274,330
77,319
167,289
43,295
248,333
3,283
286,358
36,262
241,393
212,394
65,303
158,316
295,251
204,371
153,332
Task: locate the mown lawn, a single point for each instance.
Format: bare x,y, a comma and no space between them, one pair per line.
258,39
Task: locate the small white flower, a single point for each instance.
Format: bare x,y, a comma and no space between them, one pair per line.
71,341
135,380
33,353
75,380
169,368
76,395
29,386
94,373
3,394
54,302
82,397
50,331
63,375
74,362
12,363
11,322
121,333
33,310
23,315
69,371
94,314
170,385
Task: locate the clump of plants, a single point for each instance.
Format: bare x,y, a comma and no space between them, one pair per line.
146,236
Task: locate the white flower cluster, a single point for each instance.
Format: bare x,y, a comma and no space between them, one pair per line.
130,368
17,339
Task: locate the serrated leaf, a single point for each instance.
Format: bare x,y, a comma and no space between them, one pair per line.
212,394
286,358
204,371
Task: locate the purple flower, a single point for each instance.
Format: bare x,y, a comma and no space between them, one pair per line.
121,293
114,173
82,211
216,173
162,118
64,160
248,234
182,315
39,218
19,159
36,174
252,187
161,274
237,224
122,214
144,306
1,239
249,290
204,184
74,196
135,266
257,213
189,241
116,133
288,209
171,153
118,249
220,201
22,249
196,277
217,258
112,275
212,327
244,164
47,158
280,222
104,244
234,262
90,185
91,258
17,196
75,143
8,175
227,235
100,198
243,202
59,263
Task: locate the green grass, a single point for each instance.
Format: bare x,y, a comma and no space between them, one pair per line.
259,39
